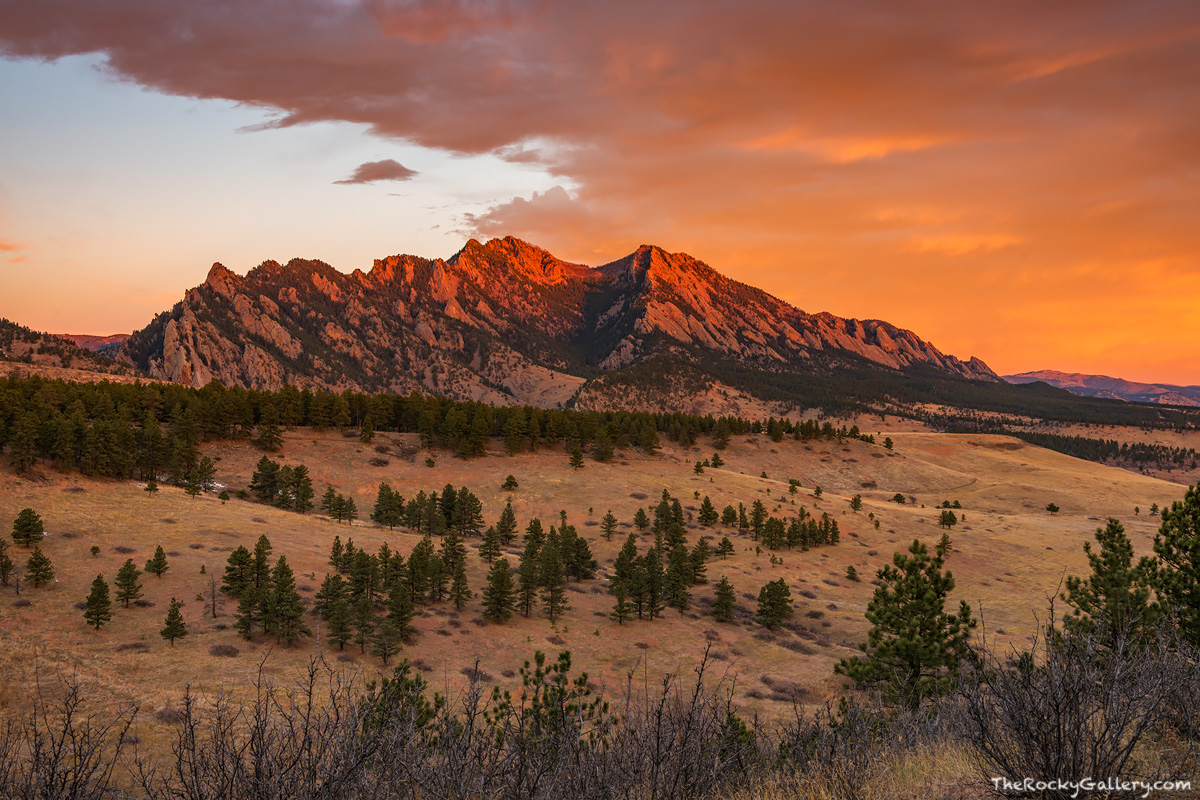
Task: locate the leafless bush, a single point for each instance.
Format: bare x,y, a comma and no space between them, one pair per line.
1073,708
223,651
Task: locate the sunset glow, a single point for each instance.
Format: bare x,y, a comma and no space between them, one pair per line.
1015,181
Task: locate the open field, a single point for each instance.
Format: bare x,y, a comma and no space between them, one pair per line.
1009,555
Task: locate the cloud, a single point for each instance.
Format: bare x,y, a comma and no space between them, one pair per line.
386,170
849,157
8,247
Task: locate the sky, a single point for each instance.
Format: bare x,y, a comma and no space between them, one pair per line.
1017,181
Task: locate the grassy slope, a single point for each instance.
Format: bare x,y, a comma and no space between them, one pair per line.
1009,555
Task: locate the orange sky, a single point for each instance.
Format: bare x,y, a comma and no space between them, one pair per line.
1017,181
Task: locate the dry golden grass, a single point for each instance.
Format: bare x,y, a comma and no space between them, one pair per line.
1009,555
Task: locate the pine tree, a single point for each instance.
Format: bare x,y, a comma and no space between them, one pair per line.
333,589
38,570
1114,601
554,583
6,563
576,459
249,611
157,565
239,572
99,608
1177,570
724,601
329,500
28,528
364,622
535,533
269,437
725,547
489,548
507,525
527,578
340,623
264,483
302,489
388,507
22,446
366,436
914,648
400,609
640,520
654,582
499,596
621,610
128,587
386,641
774,604
678,580
510,484
608,524
174,627
262,562
699,560
856,503
708,513
460,592
626,562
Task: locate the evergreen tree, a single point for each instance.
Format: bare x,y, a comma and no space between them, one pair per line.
6,563
264,483
510,484
724,601
640,520
439,576
174,627
460,592
340,623
467,517
386,641
1114,600
249,611
626,562
527,578
654,582
302,489
400,610
489,548
947,519
621,610
329,500
364,622
1177,570
678,580
335,553
28,528
499,596
553,581
269,436
99,608
239,572
128,587
206,474
535,533
366,436
157,565
774,604
38,570
729,516
389,506
262,562
332,591
708,513
608,524
914,648
725,547
22,446
576,459
716,460
856,503
699,560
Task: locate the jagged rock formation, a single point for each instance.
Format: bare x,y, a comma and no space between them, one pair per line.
1112,388
502,322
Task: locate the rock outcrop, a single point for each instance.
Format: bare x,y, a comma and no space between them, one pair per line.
502,321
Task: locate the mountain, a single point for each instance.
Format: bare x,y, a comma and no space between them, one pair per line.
106,346
1112,388
505,321
23,345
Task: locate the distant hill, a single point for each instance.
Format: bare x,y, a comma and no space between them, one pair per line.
27,346
107,346
507,322
1112,388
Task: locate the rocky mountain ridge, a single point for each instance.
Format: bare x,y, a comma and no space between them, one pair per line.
503,321
1112,388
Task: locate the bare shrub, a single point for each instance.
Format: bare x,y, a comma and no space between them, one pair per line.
223,651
